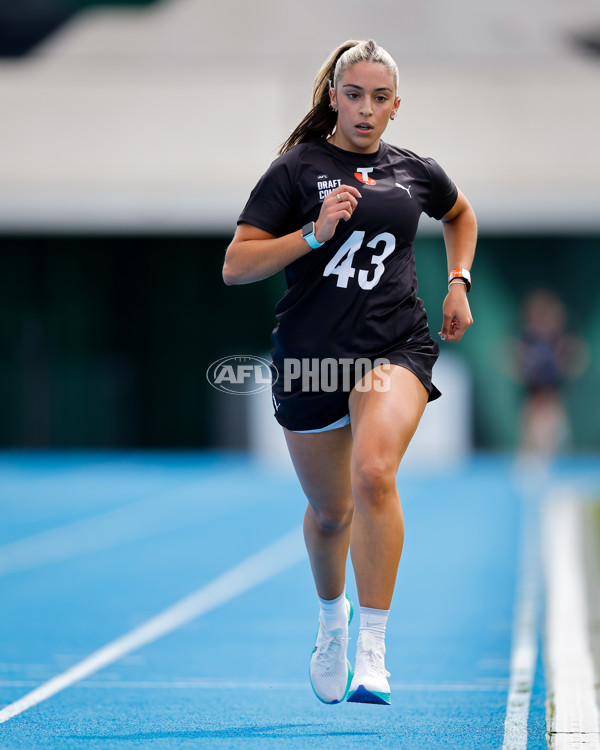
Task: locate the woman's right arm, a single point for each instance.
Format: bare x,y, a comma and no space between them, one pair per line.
254,254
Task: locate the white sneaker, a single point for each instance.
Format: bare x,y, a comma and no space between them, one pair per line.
330,671
370,684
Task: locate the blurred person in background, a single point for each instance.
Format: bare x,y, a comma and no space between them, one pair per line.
339,210
546,356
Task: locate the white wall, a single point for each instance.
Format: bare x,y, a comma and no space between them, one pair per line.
163,118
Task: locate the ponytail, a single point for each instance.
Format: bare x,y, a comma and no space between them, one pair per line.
320,121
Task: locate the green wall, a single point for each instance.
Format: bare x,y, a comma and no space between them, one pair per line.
506,269
105,341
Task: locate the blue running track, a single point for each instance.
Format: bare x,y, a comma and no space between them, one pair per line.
94,545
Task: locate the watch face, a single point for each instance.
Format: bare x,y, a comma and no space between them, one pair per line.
308,228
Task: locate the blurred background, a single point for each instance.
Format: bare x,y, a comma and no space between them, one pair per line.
131,134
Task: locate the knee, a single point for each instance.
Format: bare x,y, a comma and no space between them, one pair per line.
332,519
374,482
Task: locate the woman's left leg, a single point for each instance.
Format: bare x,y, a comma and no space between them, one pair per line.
383,423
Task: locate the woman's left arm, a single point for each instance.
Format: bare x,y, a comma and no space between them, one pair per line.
460,236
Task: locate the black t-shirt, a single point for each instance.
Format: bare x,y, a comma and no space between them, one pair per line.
356,296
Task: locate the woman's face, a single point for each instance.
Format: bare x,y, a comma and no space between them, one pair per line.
365,98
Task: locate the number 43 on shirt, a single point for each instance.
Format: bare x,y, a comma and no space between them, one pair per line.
341,263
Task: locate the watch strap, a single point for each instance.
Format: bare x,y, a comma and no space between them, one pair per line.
308,234
461,274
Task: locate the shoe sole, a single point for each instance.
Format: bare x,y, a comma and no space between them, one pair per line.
362,695
350,672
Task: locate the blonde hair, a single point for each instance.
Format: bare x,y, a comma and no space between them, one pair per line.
320,121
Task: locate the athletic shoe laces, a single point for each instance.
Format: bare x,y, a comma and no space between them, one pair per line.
372,656
328,647
374,662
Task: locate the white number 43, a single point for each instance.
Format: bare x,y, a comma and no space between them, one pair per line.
341,263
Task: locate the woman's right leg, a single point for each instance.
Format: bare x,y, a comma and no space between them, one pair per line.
322,463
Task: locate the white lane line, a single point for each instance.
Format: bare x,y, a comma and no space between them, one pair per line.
525,628
138,520
277,557
573,719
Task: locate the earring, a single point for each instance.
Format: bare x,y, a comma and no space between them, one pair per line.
393,116
332,107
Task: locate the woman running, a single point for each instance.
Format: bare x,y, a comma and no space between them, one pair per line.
338,211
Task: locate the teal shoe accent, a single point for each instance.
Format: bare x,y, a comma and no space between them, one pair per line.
351,615
362,695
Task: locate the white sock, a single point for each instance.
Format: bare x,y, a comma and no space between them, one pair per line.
373,622
333,612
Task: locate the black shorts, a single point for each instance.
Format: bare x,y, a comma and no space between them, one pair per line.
303,403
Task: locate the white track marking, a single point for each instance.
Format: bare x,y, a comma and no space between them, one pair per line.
134,521
525,629
277,557
532,479
573,717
